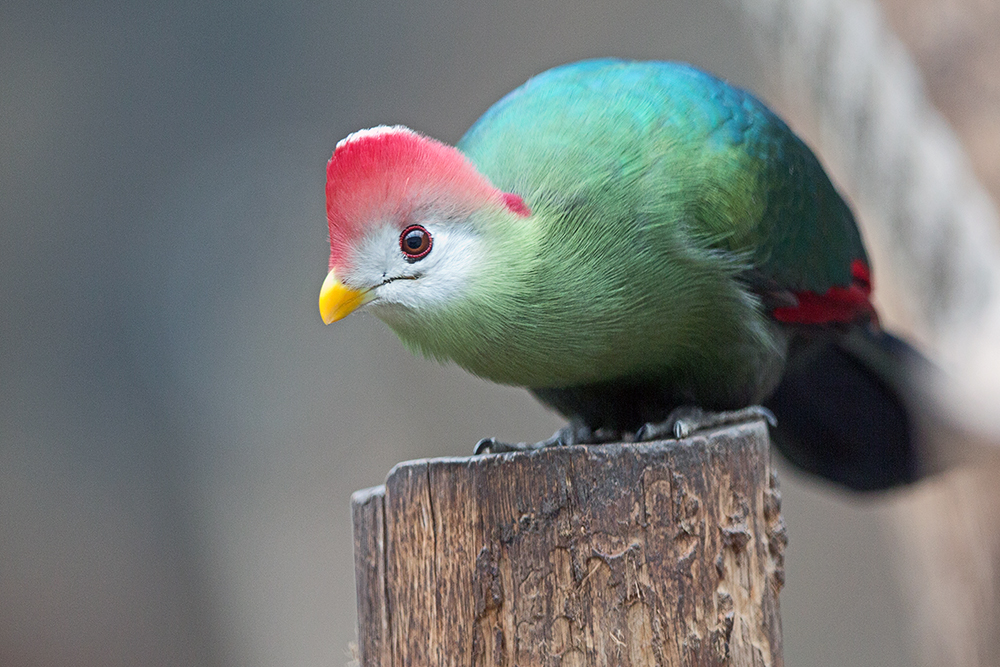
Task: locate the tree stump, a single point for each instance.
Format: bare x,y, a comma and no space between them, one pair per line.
661,553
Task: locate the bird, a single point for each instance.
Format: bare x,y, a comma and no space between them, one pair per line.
648,250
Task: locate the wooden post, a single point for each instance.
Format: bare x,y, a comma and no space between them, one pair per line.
662,553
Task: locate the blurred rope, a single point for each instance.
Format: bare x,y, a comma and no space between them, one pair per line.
842,74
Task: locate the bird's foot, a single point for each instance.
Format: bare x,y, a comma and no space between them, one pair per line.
571,434
685,420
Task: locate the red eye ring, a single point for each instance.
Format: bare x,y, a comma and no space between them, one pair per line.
415,242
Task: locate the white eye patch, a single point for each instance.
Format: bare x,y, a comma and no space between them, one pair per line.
440,276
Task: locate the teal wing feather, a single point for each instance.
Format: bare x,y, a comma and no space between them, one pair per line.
805,237
707,156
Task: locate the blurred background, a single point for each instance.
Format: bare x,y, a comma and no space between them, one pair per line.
180,434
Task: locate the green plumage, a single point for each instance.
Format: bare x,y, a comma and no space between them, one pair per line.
657,192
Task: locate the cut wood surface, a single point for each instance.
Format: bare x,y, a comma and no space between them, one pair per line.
662,553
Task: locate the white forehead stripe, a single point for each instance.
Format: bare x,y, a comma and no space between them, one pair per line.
375,132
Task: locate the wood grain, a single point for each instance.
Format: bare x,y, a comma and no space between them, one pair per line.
664,553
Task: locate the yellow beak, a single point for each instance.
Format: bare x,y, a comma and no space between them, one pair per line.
337,301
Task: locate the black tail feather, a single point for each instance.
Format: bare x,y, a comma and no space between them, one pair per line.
843,410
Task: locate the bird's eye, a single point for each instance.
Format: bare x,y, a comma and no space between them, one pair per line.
415,242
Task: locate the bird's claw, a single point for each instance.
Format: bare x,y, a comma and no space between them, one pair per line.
490,446
494,446
571,434
484,446
685,420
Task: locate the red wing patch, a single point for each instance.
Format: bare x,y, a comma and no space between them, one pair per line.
515,204
837,305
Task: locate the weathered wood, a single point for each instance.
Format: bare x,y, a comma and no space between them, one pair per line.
663,553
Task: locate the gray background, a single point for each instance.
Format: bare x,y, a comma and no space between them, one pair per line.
179,433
